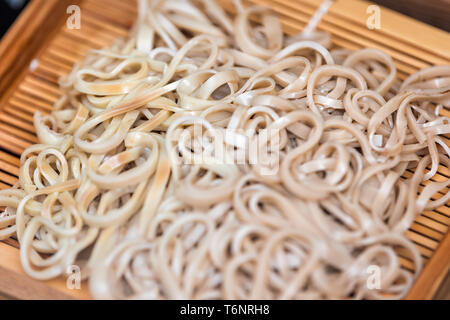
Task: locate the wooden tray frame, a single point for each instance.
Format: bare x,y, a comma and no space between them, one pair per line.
36,34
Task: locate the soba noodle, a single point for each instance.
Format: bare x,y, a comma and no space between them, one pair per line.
149,174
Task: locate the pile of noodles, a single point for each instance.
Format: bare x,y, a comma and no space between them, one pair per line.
145,177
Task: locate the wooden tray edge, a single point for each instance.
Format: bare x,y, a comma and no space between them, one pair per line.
15,283
29,34
396,24
19,40
432,276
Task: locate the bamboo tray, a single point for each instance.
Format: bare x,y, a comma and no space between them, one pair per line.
39,48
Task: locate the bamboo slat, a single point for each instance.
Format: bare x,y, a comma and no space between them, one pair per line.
39,49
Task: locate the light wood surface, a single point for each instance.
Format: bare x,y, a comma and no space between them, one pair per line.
54,49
